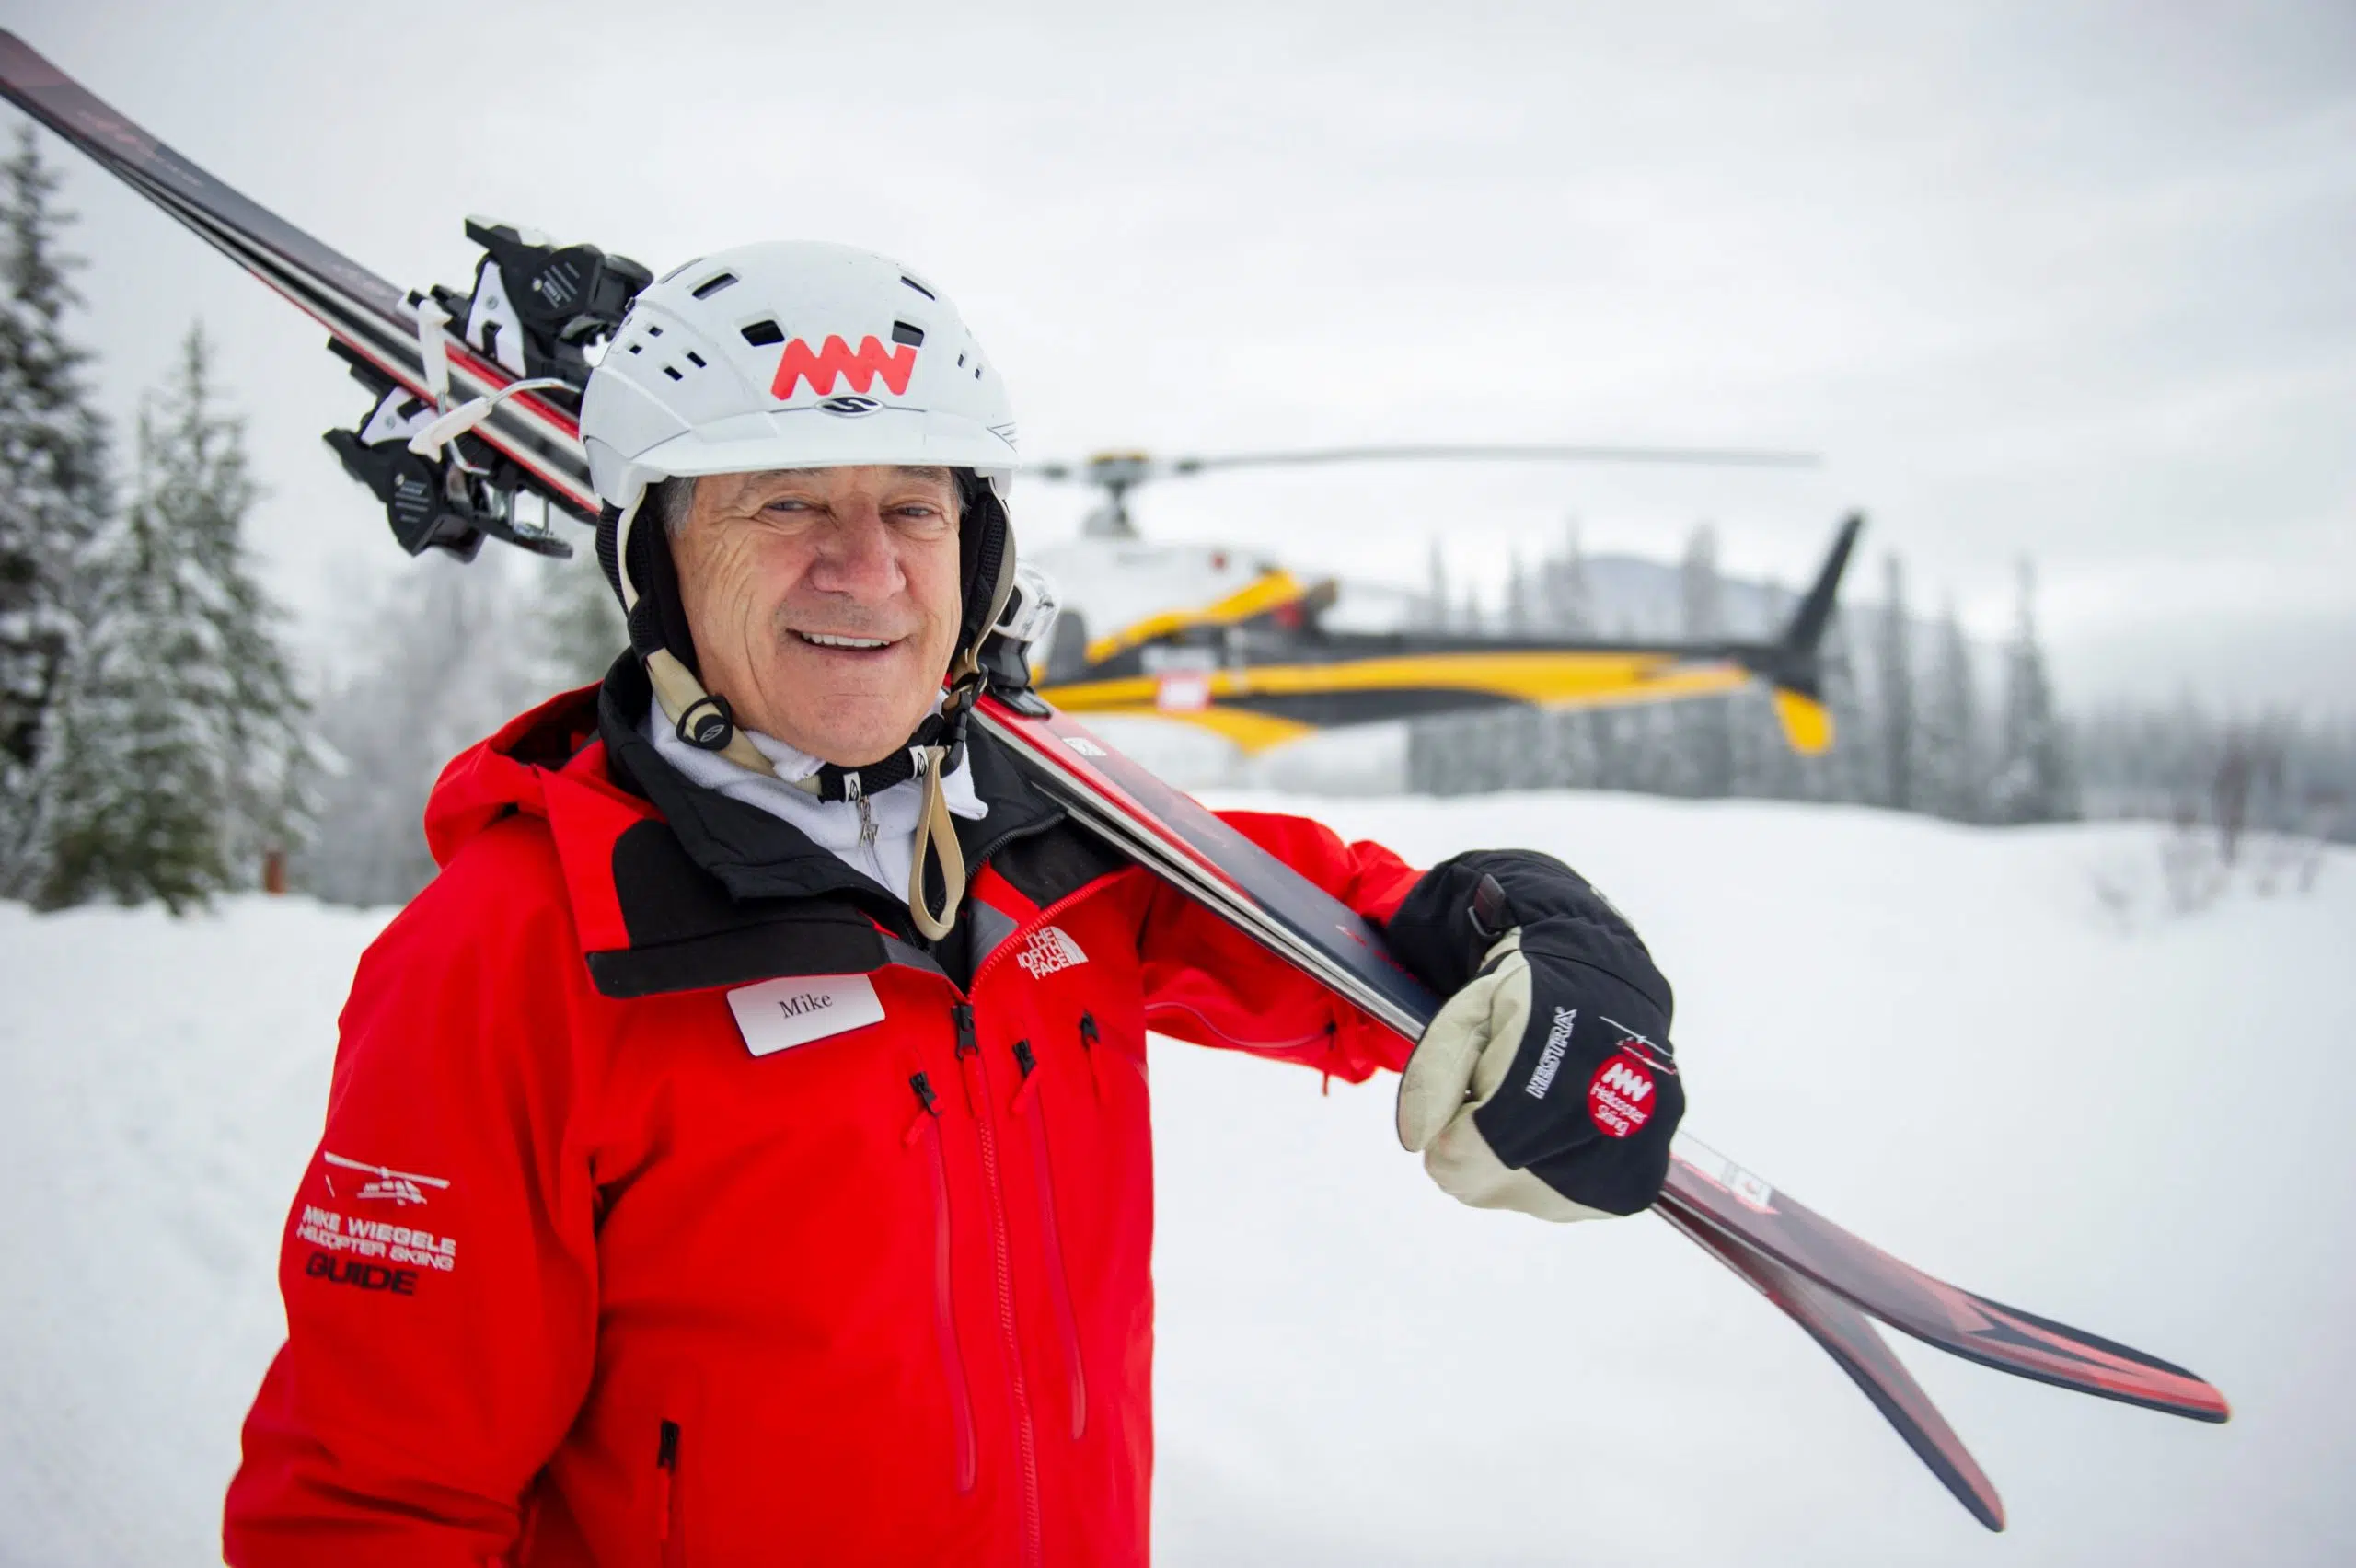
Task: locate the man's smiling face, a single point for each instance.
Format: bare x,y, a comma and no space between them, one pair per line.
824,602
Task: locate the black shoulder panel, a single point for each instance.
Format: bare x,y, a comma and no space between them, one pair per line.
1047,866
686,933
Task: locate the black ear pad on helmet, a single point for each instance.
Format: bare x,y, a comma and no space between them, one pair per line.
985,548
609,523
661,619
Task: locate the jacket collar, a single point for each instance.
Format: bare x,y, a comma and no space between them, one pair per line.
674,888
755,855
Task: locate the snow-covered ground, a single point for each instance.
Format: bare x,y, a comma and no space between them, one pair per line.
1937,1035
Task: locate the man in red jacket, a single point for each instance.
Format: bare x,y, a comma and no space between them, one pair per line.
740,1153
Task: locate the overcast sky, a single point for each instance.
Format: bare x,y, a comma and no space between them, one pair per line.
2077,282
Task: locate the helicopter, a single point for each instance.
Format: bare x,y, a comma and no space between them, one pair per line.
1230,642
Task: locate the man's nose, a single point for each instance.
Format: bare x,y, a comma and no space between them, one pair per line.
855,555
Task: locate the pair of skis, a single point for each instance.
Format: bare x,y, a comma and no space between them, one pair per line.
1828,1281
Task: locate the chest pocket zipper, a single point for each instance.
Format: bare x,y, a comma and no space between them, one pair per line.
926,1127
1026,1105
1088,1039
666,1486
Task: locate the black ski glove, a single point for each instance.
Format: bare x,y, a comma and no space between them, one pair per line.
1547,1083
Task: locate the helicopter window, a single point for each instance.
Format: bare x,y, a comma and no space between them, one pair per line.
919,288
712,285
761,334
903,333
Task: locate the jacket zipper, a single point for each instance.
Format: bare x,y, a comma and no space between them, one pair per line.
1034,1116
666,1475
977,1099
856,794
1088,1041
927,1126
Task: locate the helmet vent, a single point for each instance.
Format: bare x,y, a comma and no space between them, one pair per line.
638,348
714,284
673,371
761,334
695,359
920,287
903,333
655,331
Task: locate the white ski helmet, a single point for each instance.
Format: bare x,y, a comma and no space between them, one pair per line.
792,354
797,354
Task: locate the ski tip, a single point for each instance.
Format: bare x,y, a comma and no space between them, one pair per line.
1842,1330
2091,1364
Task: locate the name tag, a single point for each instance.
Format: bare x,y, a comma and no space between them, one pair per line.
778,1013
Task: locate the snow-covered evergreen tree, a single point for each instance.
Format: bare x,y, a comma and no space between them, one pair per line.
1850,770
184,751
1953,775
1703,742
1566,608
450,658
1569,597
2035,779
1437,604
579,619
1894,691
1520,611
55,497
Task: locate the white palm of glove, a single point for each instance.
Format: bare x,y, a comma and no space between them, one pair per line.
1461,1061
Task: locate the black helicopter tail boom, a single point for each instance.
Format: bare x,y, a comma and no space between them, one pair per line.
1793,666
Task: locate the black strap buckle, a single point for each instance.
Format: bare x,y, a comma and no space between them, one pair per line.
708,724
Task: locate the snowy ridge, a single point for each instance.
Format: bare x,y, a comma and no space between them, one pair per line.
1932,1034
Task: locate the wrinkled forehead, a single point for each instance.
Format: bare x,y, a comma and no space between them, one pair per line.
734,485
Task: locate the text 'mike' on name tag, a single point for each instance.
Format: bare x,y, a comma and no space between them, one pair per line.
794,1011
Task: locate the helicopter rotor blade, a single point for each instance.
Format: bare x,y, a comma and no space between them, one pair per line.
1699,455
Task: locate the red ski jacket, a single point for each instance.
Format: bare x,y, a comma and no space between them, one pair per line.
676,1205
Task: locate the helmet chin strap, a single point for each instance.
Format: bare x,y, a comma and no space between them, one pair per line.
679,694
936,832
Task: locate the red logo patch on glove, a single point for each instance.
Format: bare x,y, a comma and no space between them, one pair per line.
1619,1097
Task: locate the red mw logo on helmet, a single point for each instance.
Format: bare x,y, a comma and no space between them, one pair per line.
834,358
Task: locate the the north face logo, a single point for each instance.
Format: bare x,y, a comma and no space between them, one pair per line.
1049,951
